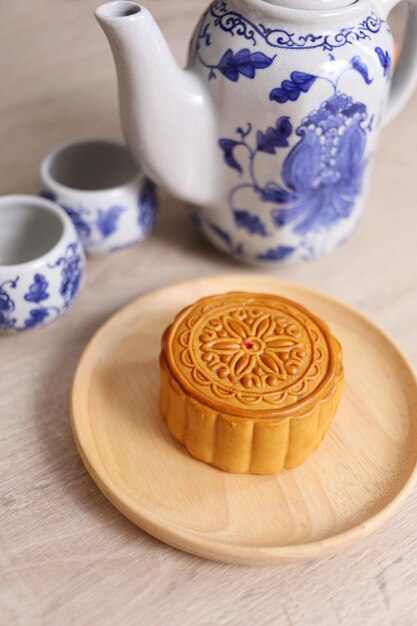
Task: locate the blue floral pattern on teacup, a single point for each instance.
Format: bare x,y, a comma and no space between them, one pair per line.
38,294
7,305
71,273
99,228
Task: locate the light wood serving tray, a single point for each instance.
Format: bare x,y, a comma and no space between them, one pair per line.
360,475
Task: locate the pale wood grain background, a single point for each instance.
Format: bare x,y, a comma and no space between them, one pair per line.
67,556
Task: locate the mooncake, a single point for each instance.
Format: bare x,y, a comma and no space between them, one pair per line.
249,382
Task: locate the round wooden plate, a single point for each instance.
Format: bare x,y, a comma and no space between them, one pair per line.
360,475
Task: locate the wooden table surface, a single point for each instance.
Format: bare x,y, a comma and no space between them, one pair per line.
67,556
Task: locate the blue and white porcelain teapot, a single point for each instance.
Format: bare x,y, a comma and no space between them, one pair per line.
270,130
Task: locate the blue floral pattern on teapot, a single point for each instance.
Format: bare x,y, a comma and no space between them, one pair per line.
276,116
322,159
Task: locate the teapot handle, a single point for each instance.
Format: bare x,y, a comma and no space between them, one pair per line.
405,75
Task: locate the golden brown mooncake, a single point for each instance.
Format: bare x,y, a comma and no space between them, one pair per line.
249,382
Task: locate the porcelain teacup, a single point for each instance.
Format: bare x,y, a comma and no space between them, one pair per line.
101,188
42,262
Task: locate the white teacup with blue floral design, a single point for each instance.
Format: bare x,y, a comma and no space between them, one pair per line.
42,263
96,181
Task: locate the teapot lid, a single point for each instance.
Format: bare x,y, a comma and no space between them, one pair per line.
312,5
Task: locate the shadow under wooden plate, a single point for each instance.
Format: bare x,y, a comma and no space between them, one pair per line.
358,477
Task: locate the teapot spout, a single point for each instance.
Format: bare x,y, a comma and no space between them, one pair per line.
167,115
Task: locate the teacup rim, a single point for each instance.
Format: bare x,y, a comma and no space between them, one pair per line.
52,184
54,208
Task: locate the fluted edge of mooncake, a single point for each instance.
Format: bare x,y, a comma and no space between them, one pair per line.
247,445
